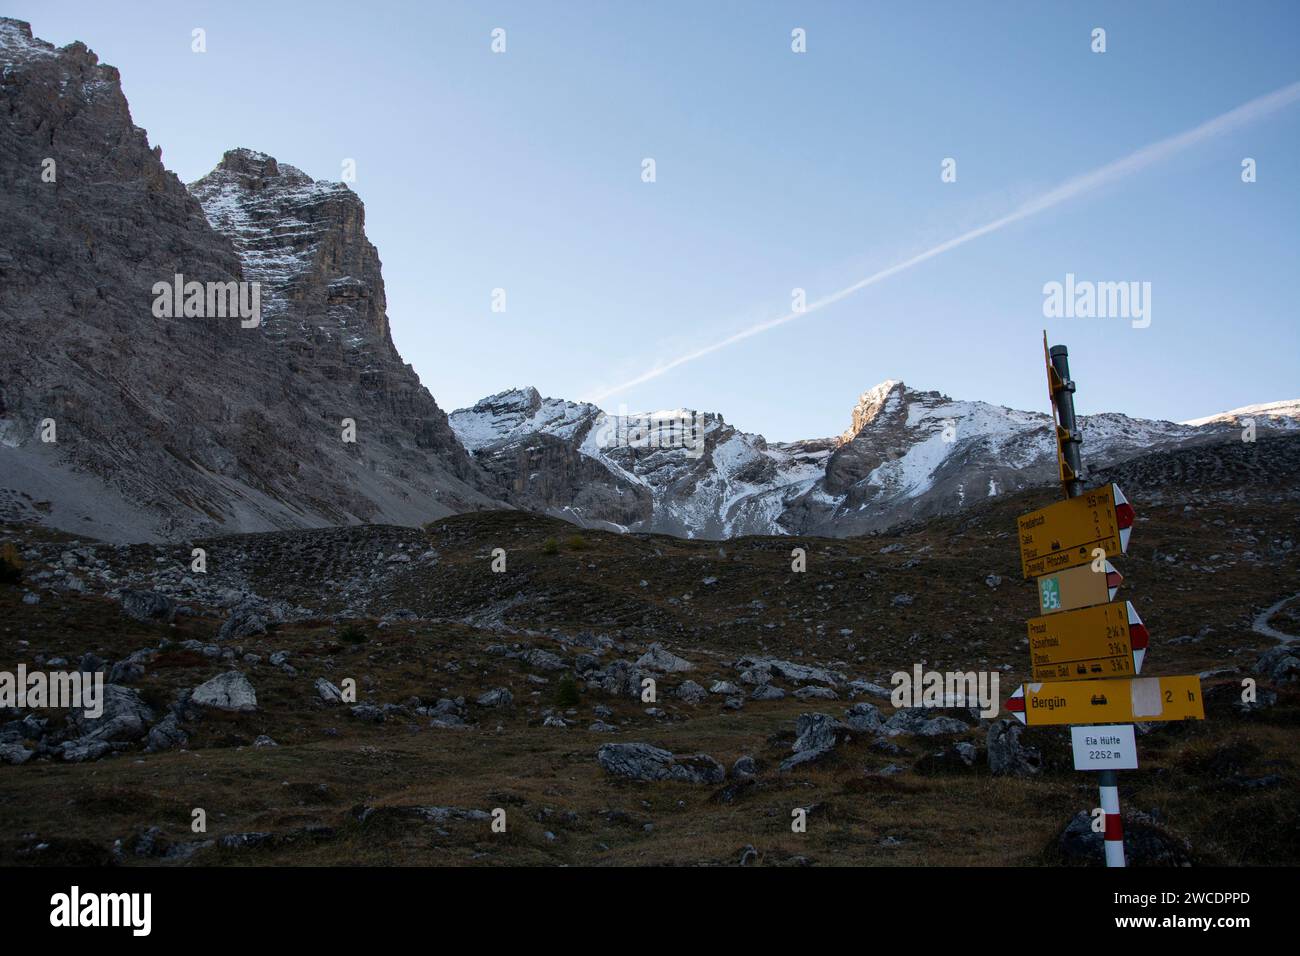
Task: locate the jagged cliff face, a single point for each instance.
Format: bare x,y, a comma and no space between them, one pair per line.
303,240
571,460
907,454
166,427
325,309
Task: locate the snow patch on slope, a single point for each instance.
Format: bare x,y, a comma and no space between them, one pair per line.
1283,414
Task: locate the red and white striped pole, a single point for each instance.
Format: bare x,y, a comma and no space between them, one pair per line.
1114,823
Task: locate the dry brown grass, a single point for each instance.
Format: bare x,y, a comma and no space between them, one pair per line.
1196,776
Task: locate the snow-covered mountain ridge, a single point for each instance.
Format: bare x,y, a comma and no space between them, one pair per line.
906,454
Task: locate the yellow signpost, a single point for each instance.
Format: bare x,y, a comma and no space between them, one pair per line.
1108,640
1109,701
1085,652
1066,534
1077,587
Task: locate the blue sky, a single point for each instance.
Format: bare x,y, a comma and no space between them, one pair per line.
775,170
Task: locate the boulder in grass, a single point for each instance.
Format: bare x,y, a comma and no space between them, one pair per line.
817,732
497,697
543,660
14,754
646,763
923,722
230,692
619,678
328,692
1007,755
125,716
863,717
166,735
83,750
659,659
148,606
811,692
1281,663
1147,843
691,692
245,620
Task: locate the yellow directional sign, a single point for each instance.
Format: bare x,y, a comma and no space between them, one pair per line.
1077,587
1118,701
1108,640
1064,535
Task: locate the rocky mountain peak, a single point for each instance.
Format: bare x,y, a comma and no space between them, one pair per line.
886,396
251,169
304,241
16,40
879,392
526,399
515,412
78,61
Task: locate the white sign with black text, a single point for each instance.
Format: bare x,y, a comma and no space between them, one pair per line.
1108,747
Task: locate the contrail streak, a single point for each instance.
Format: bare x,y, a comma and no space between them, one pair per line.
1073,188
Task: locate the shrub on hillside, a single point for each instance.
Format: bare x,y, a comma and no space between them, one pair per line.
352,634
566,692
